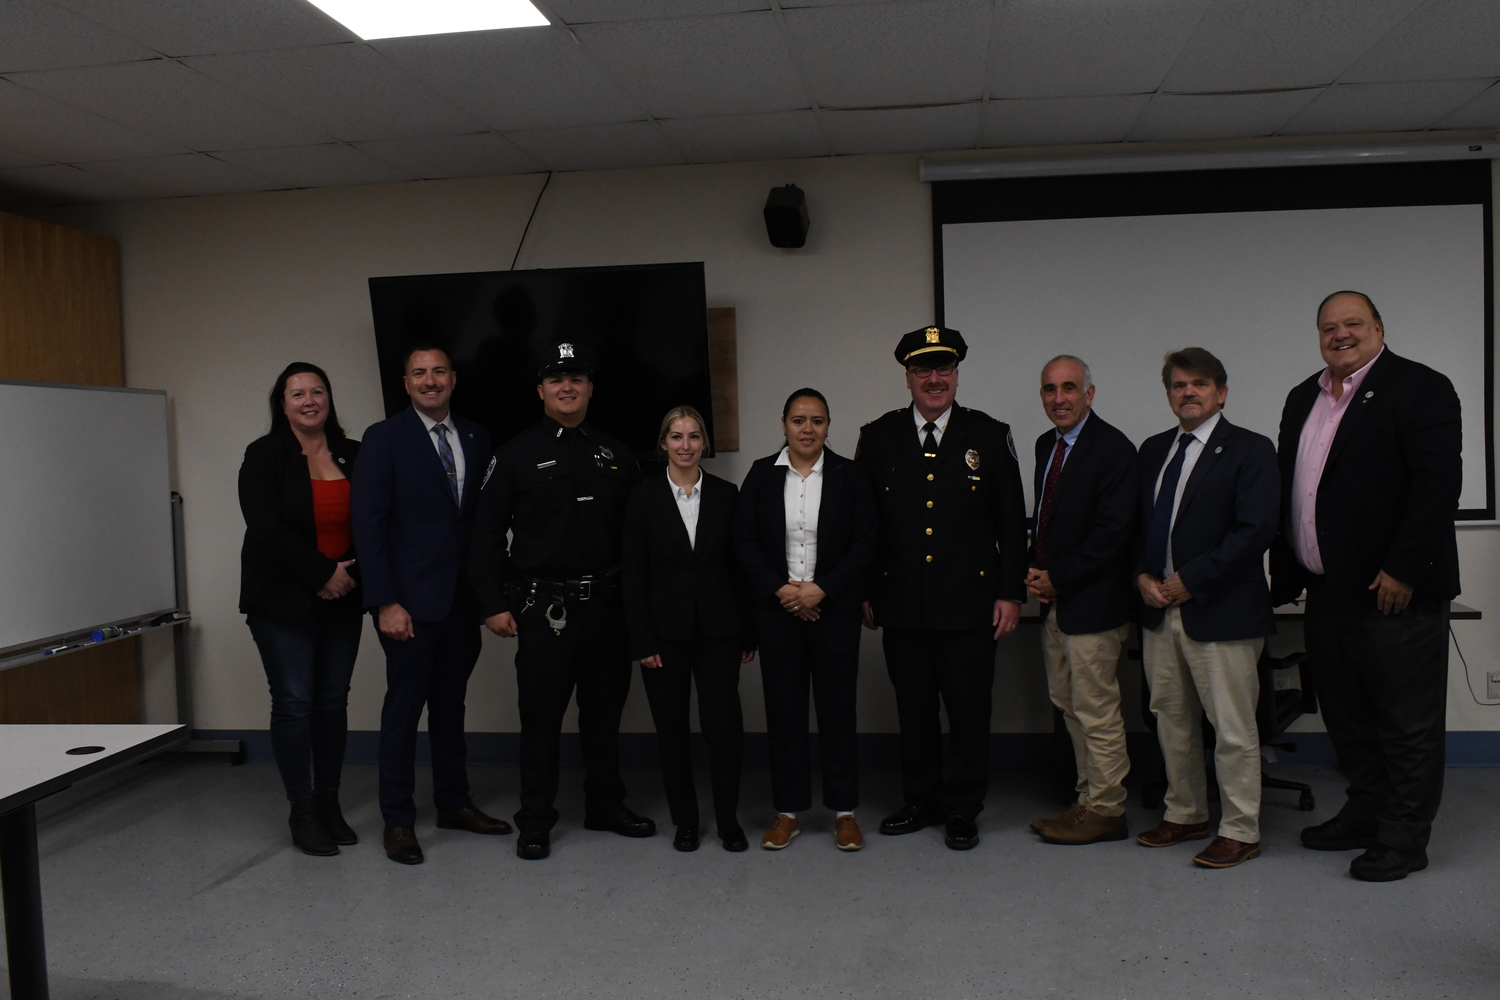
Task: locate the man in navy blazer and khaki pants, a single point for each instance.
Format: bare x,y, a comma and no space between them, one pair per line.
412,509
1209,506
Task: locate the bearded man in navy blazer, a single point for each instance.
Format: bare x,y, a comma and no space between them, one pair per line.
411,512
1210,500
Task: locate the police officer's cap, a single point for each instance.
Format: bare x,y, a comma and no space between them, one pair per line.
931,347
565,358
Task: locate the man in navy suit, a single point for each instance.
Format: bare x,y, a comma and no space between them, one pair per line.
1210,502
412,509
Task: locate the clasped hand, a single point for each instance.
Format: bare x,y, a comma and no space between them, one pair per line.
339,584
1168,593
801,599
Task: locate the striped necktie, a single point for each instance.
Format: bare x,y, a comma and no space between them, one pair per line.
445,454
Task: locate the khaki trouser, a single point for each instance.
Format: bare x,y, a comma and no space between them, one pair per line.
1190,679
1081,678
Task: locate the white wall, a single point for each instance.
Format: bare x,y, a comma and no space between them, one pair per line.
220,293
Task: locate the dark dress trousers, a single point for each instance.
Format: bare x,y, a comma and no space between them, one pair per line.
413,542
952,542
560,494
1090,529
683,602
1386,501
307,645
795,653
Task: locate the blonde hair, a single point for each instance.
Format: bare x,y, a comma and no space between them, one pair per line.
675,414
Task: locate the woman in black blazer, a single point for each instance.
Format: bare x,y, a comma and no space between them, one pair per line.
299,596
683,608
805,530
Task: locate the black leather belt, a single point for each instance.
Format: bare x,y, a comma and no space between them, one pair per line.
582,589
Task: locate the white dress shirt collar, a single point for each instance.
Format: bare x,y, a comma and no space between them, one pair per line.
941,422
785,458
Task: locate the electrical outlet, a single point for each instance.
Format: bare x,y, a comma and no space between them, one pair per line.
1494,686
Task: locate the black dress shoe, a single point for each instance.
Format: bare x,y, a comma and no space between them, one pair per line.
1337,835
622,821
471,819
533,845
961,833
686,839
1386,864
733,839
910,819
307,829
332,818
401,845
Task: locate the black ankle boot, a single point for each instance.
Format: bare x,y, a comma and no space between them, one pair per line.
332,818
307,830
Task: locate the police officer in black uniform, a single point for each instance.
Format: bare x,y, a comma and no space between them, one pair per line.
560,490
948,579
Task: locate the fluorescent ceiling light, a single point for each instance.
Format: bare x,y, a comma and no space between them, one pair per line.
398,18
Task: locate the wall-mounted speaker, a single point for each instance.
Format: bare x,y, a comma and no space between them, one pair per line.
786,217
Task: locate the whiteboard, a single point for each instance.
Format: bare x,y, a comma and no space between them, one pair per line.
86,502
1120,292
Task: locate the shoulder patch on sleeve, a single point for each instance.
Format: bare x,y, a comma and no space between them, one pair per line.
489,470
1010,442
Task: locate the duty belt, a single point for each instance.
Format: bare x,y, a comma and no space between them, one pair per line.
559,592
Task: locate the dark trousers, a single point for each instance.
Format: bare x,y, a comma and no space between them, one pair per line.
825,654
1382,683
589,655
955,667
308,667
429,670
715,665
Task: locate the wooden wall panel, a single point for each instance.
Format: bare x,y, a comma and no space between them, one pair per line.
724,374
60,322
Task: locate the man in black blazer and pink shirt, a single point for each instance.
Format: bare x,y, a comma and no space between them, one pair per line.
411,512
1210,499
1085,489
1371,469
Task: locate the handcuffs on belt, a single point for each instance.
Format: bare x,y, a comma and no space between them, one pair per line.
556,613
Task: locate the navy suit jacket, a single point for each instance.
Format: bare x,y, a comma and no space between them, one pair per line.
411,541
1226,521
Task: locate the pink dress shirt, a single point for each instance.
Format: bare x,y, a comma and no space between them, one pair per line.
1312,455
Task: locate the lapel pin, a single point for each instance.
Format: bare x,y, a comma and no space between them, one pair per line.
341,461
1369,393
1218,449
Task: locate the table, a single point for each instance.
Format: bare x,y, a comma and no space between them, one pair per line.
39,761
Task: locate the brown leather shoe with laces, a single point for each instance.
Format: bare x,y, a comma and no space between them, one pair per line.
1165,834
1222,852
1070,815
1085,827
846,835
783,829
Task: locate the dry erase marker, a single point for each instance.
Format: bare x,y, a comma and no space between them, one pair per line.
61,649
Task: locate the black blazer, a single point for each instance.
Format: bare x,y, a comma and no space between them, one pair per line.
281,569
1389,491
847,528
413,543
1225,523
658,567
1089,535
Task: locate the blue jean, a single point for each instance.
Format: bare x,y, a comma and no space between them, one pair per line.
308,667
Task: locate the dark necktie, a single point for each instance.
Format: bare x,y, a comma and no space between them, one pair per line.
445,454
1049,491
1160,532
929,443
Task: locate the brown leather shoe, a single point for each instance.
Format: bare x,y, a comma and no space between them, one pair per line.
401,845
783,829
846,835
1165,834
1085,827
1222,852
1068,816
471,819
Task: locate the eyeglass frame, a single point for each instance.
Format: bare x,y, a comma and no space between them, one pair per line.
942,371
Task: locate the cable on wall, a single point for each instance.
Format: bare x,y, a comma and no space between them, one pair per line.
535,205
1467,679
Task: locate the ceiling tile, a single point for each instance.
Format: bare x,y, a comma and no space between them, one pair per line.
166,99
517,79
1178,117
586,11
1445,40
349,92
1482,112
598,147
327,165
35,123
733,64
60,184
891,54
1060,121
784,135
1081,48
38,34
482,154
903,130
201,27
183,175
1280,44
1383,107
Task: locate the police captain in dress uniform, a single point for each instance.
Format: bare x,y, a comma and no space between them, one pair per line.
948,579
560,489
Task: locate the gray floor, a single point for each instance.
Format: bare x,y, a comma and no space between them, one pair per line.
176,881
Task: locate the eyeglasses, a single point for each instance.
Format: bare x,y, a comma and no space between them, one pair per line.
943,371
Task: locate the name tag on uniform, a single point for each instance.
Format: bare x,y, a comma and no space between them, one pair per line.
581,499
543,465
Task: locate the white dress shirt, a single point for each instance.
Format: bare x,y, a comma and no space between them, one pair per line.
1195,446
802,497
688,507
941,422
453,442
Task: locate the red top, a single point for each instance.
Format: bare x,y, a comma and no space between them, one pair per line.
331,515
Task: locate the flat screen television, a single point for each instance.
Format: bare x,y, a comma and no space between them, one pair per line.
647,323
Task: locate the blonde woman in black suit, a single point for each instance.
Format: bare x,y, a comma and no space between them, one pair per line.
683,608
